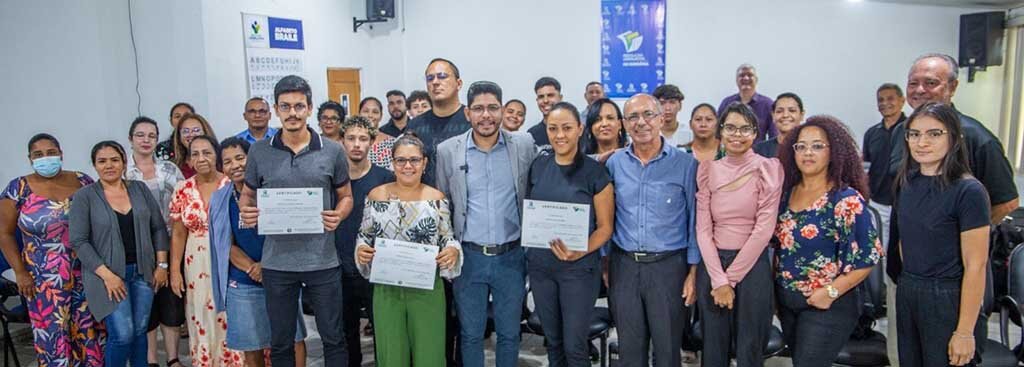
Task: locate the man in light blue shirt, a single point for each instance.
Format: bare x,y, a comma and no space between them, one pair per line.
652,265
257,116
483,173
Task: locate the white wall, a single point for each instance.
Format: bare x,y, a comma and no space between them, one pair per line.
67,69
78,79
833,53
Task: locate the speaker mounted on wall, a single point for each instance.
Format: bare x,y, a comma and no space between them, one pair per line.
377,11
981,41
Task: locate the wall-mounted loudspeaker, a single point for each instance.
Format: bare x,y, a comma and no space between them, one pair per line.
379,9
981,39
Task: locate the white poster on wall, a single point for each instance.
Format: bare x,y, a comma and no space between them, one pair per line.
273,49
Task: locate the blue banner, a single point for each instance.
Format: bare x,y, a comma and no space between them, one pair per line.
285,33
632,46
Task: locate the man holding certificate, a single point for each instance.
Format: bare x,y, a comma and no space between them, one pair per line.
484,173
570,208
652,265
297,191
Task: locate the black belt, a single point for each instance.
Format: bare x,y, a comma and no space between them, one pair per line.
492,250
648,257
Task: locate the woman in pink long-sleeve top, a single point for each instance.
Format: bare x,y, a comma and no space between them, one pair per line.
737,204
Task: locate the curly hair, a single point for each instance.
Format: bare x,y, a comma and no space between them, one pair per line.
844,166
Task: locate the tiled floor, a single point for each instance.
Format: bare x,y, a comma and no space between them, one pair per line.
532,352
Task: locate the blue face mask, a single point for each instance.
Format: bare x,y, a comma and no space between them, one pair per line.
47,166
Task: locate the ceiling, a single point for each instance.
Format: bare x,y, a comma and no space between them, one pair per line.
994,4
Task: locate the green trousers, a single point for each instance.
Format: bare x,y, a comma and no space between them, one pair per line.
409,324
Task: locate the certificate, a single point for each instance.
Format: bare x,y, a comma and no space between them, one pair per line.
404,264
290,211
544,221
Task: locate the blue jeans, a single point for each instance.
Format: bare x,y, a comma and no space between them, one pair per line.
126,327
503,278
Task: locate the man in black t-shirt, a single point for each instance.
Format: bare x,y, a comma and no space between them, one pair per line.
357,135
933,78
446,119
549,92
397,110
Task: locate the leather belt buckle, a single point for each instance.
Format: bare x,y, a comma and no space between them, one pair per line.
639,255
486,250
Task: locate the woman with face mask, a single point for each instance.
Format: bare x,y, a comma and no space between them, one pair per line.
38,205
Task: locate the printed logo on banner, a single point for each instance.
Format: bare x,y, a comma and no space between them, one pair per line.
633,46
255,30
632,40
285,33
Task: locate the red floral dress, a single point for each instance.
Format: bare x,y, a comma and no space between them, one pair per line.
816,245
207,328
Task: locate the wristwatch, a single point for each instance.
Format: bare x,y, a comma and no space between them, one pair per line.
833,293
163,265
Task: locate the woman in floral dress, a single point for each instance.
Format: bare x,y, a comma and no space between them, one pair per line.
207,328
49,273
826,243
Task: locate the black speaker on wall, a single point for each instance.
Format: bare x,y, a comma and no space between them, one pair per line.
981,39
379,9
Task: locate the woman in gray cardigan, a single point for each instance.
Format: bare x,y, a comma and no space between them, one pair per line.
121,238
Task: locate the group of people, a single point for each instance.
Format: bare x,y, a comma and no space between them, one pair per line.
750,212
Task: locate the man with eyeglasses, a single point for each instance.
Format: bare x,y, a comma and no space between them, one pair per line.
257,116
654,256
746,84
297,157
549,93
446,119
483,173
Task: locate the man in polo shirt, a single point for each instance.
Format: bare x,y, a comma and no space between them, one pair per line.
655,197
549,93
878,142
746,82
257,116
297,157
483,172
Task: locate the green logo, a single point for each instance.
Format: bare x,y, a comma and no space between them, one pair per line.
255,26
631,40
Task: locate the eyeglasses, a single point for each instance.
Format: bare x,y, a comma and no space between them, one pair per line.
192,131
814,147
932,135
262,111
738,130
480,109
144,136
646,115
298,107
400,162
331,119
440,76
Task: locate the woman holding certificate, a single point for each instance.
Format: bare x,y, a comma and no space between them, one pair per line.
565,283
408,214
737,201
